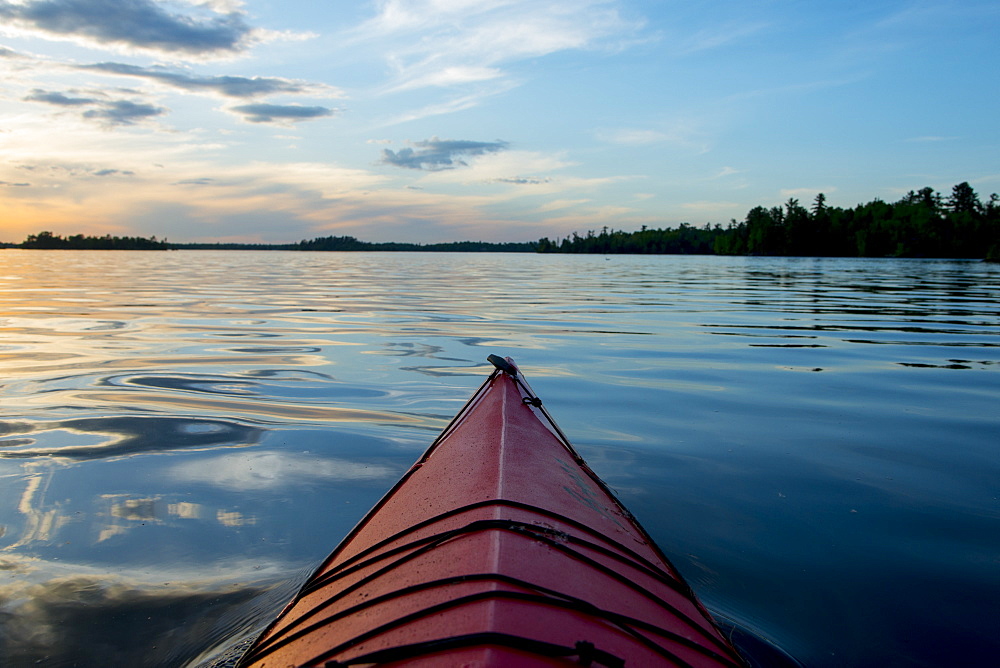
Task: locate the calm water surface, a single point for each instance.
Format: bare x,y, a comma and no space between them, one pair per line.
185,435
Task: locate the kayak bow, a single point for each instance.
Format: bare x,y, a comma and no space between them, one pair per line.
499,547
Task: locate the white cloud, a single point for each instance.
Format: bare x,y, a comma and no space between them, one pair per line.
450,76
557,204
687,133
718,36
451,106
438,43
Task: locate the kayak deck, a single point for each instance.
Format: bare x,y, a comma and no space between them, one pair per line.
499,547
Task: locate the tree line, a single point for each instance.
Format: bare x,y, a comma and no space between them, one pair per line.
351,244
47,240
921,224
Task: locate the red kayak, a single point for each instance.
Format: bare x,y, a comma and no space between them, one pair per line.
499,547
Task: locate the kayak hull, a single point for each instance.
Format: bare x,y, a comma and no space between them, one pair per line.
499,547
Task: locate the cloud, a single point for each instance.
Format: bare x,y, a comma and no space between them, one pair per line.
436,154
557,204
59,99
686,132
720,36
140,24
281,113
113,172
451,76
123,112
107,111
430,43
520,180
72,171
450,106
725,171
229,86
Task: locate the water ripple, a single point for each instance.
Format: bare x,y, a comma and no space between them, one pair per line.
189,418
107,437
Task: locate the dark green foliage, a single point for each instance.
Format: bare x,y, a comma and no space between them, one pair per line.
47,240
352,244
921,224
685,240
231,245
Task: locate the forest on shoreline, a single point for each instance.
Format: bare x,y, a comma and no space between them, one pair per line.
50,241
921,224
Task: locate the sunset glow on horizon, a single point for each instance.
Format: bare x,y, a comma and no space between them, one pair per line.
494,120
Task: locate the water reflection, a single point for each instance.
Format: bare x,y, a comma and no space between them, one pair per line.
217,421
275,470
40,523
101,438
71,615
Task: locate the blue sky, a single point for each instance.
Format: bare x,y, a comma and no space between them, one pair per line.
499,120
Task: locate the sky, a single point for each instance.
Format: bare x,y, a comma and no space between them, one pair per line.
494,120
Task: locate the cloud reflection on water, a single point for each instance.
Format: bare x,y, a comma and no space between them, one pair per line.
197,408
122,436
274,470
66,614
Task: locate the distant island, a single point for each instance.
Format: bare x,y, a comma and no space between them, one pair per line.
50,241
921,224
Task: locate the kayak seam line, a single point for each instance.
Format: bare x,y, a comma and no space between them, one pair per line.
282,637
519,526
433,541
344,565
619,621
328,573
625,557
501,467
460,416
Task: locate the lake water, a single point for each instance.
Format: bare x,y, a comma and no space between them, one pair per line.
814,442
